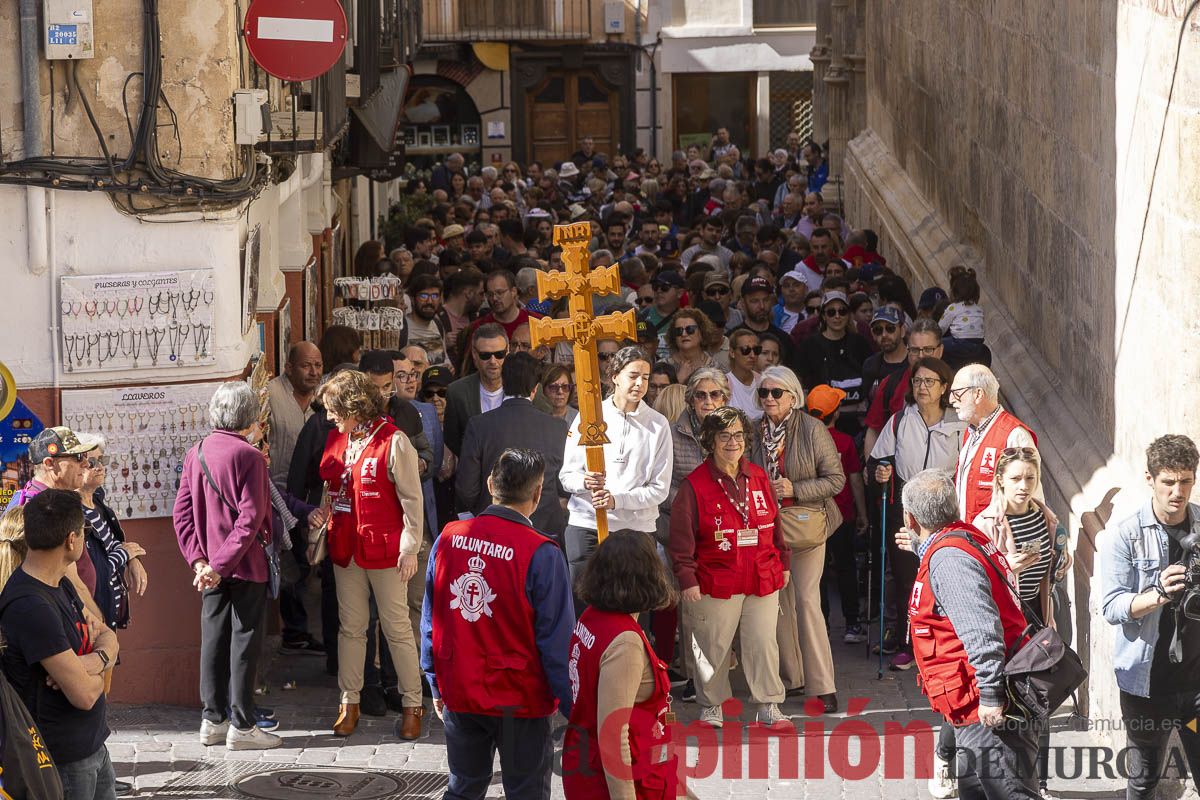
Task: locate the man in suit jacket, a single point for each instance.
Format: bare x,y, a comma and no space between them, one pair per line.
516,423
480,391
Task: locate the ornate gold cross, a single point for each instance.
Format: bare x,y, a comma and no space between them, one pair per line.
582,329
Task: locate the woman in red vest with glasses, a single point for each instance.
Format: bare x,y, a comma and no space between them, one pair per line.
376,513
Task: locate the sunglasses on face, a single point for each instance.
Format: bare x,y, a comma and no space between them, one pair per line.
883,327
437,391
559,388
776,392
747,350
520,347
497,354
813,309
661,287
1028,452
716,291
645,301
605,356
76,457
686,330
716,394
837,311
97,461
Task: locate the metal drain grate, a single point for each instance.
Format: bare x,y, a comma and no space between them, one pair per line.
239,780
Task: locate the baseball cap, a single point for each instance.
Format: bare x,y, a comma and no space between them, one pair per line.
450,231
669,277
599,161
375,362
887,314
795,275
712,259
60,441
757,284
834,296
823,400
931,297
716,278
646,332
436,376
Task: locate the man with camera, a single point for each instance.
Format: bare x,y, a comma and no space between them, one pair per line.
1146,591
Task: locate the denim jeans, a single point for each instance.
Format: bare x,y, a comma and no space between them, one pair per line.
90,778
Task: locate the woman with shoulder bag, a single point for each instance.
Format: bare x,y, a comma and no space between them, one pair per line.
806,473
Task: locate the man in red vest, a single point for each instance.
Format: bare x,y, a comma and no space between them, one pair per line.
964,618
495,632
991,430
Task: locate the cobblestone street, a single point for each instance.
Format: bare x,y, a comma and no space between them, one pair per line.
157,748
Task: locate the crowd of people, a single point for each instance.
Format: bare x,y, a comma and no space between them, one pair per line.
790,421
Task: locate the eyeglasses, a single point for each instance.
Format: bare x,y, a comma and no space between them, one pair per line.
645,301
957,394
498,292
716,291
605,356
520,347
731,437
883,327
928,383
776,392
408,376
716,394
429,296
921,352
837,311
1012,452
661,287
97,461
430,393
76,457
813,309
558,388
686,330
496,354
747,350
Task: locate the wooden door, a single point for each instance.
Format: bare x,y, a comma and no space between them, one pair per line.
564,108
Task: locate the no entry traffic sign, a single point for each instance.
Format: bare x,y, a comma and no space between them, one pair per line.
295,40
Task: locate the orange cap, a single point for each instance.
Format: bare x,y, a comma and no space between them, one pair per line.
824,400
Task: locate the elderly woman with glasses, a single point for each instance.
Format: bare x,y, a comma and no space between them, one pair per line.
806,473
691,339
731,562
222,519
559,390
377,513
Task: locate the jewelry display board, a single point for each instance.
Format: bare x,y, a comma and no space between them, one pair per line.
375,307
137,321
147,430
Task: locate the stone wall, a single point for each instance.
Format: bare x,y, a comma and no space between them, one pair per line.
1034,141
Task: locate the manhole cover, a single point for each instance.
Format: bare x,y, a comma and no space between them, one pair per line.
343,784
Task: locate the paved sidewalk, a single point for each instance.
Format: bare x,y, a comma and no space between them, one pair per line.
157,748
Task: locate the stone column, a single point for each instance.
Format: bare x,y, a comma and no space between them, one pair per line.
856,60
837,79
820,61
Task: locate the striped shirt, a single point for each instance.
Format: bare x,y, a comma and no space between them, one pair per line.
1031,527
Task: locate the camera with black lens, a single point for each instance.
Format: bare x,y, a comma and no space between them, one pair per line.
1190,604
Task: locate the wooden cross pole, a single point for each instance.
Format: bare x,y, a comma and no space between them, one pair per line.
582,329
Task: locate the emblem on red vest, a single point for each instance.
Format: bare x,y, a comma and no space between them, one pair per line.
472,595
573,671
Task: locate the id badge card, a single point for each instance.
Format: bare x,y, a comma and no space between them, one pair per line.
340,505
747,537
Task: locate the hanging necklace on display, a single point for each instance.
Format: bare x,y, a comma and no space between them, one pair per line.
154,339
110,307
90,308
176,337
160,304
200,337
191,300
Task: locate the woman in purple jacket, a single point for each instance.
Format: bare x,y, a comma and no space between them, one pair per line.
223,523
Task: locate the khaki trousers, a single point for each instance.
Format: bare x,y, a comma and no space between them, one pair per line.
354,588
711,624
805,658
416,589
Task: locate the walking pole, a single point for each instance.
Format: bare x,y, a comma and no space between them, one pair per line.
882,568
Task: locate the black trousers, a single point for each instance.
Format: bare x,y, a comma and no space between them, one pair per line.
845,567
998,763
525,755
1148,725
231,631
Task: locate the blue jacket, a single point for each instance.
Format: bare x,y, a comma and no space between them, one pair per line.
433,434
1133,553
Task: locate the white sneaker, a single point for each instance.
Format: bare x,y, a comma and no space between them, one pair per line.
770,715
943,784
213,732
713,716
251,739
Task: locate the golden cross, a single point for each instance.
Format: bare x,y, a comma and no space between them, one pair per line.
582,329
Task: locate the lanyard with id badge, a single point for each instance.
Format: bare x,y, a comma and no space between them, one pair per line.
341,502
747,535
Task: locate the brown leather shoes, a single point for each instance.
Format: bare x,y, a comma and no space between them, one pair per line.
347,719
408,727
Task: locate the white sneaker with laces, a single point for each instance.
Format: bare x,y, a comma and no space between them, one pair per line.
213,732
251,739
943,784
712,715
770,715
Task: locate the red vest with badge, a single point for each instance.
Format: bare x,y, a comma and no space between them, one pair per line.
981,472
735,554
367,518
590,743
944,674
485,654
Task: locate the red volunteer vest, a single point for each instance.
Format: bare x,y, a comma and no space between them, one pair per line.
723,568
485,655
369,531
944,674
981,472
652,770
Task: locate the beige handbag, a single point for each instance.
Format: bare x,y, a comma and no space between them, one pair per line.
803,527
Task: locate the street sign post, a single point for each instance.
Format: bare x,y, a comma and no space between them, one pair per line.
295,40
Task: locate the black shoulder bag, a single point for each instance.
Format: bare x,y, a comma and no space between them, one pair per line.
1041,673
272,557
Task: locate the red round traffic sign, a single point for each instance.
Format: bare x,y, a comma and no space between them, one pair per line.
295,40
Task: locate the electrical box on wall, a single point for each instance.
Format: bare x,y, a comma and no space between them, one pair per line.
251,115
68,26
614,17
